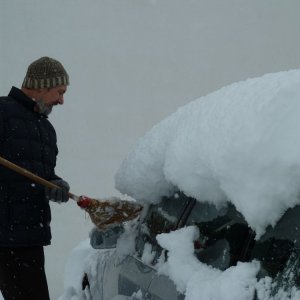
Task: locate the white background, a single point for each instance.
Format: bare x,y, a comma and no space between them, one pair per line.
132,63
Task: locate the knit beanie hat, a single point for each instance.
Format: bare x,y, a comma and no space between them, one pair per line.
45,72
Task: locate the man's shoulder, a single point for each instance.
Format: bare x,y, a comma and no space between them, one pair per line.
12,97
7,101
9,106
4,98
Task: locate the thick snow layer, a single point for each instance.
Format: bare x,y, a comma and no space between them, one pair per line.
240,143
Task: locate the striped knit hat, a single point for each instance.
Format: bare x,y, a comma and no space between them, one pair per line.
45,72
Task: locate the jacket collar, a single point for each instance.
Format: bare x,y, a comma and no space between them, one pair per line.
23,99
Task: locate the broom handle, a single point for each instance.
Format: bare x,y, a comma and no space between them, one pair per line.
37,179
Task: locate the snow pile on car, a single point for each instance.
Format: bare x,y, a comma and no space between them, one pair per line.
196,278
239,144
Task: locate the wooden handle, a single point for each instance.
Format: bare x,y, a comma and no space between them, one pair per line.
6,163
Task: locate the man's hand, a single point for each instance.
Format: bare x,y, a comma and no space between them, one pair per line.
59,194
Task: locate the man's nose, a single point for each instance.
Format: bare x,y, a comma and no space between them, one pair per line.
61,100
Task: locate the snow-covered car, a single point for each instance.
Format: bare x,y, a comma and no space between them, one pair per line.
220,182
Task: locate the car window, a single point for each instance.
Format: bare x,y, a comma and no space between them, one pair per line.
225,237
165,216
278,250
161,218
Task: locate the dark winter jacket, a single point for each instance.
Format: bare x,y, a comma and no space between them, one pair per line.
29,140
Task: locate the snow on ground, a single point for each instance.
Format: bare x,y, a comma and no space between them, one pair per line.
240,143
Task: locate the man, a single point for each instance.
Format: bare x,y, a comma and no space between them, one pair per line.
28,139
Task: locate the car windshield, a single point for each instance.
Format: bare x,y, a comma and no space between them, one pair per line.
162,218
224,236
165,216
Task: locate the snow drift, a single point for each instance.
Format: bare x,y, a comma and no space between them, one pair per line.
239,144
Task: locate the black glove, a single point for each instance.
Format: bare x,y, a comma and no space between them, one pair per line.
59,194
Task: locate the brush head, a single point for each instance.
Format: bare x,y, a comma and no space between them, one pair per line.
108,213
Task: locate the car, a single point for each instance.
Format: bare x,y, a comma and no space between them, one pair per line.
219,181
225,239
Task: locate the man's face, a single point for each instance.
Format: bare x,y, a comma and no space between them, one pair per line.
47,98
53,96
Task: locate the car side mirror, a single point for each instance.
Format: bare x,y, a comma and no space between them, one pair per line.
105,239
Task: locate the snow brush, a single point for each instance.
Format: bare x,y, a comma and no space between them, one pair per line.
103,213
